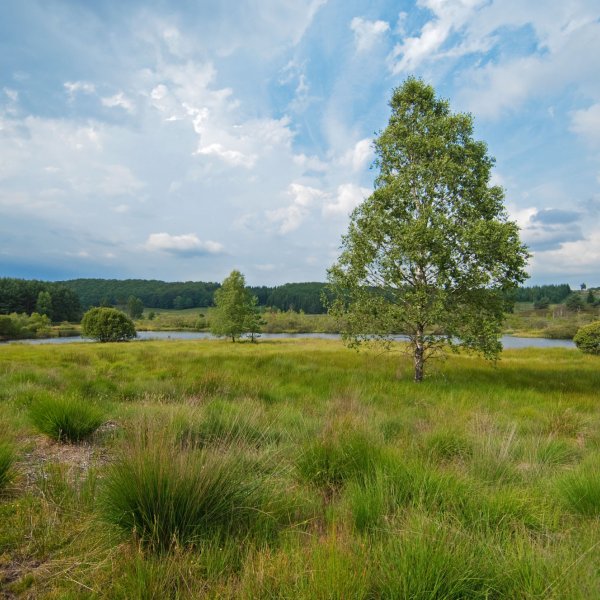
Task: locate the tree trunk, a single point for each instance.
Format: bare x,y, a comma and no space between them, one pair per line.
419,355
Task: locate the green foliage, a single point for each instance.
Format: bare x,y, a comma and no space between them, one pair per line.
135,307
67,418
554,293
107,325
574,302
7,461
14,326
43,306
431,250
235,309
56,301
543,302
169,497
590,298
587,338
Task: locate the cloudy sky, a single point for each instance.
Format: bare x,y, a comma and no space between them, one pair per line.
180,140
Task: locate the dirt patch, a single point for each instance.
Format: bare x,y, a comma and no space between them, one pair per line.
12,572
77,458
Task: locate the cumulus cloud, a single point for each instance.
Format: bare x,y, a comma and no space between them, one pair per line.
119,100
291,217
187,244
232,157
449,16
550,229
367,33
79,87
348,197
360,155
586,123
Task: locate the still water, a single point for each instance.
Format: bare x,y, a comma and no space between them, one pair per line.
509,342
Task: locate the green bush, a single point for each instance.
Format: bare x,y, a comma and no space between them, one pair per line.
7,460
587,338
170,498
107,325
65,419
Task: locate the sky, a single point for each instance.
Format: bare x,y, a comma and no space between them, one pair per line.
181,140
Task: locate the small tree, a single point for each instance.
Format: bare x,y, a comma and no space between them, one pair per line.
574,303
587,338
107,325
43,305
431,253
135,307
543,302
590,297
235,308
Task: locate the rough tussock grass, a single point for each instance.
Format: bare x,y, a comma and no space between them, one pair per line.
65,418
324,475
170,497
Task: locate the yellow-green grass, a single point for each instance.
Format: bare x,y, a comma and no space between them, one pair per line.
298,468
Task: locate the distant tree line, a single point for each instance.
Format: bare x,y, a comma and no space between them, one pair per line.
554,294
64,301
191,294
27,296
152,293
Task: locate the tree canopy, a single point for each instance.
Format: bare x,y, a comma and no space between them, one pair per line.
107,325
235,309
431,253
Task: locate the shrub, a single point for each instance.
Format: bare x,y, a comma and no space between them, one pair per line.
107,325
587,338
171,498
7,460
65,419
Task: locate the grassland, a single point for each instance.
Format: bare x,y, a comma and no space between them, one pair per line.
298,469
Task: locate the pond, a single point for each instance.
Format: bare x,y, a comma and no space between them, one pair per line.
508,341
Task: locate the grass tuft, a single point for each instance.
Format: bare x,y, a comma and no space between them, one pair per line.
7,461
172,498
580,489
67,419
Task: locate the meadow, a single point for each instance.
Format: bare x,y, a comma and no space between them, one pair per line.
296,469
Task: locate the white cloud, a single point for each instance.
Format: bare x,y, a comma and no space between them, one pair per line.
187,244
348,197
586,123
358,157
310,163
119,100
449,16
233,157
291,217
75,87
367,33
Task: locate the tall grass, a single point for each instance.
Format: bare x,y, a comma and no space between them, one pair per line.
299,469
580,489
168,497
65,418
7,461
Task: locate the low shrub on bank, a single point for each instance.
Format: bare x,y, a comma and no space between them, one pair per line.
587,338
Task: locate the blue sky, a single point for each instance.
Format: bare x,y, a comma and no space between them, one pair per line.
181,140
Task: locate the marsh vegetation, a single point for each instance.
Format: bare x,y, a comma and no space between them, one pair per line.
297,469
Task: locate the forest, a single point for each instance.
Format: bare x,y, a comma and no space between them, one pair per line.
69,298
